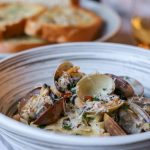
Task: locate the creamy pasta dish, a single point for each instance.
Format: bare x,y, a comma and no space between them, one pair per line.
86,104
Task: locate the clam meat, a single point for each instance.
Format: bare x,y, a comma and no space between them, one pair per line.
67,76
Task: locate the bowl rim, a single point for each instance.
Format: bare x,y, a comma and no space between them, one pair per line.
16,127
96,43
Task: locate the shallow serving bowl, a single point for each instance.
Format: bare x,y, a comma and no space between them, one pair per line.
20,73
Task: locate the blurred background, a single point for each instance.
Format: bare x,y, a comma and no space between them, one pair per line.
135,16
125,21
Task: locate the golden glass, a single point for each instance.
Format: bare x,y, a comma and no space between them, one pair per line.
141,22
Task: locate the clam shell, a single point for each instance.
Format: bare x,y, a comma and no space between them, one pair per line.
146,100
136,85
140,112
66,76
25,99
112,127
115,106
79,103
143,102
123,88
107,107
61,68
146,105
52,114
133,118
95,85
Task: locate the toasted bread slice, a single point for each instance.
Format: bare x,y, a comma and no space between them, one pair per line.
75,2
13,17
65,24
20,43
46,2
63,2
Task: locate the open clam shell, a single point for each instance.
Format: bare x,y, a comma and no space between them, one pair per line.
98,107
123,88
95,85
112,127
143,102
25,99
145,105
66,77
132,118
61,68
140,112
40,106
136,85
114,105
52,114
62,84
98,86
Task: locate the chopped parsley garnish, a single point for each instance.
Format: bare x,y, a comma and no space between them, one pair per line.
42,126
77,134
69,87
95,99
86,118
73,90
67,127
125,107
126,77
67,124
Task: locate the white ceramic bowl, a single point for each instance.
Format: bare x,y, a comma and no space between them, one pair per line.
20,73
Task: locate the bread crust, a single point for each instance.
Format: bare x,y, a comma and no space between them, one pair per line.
62,33
75,2
16,28
17,46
